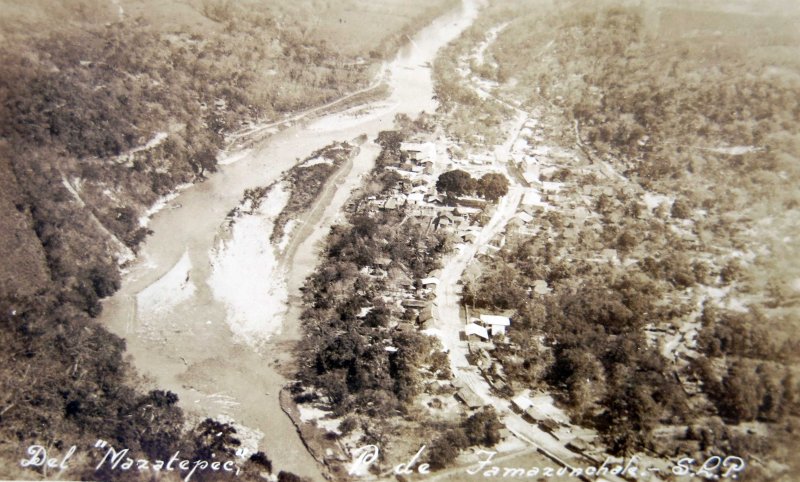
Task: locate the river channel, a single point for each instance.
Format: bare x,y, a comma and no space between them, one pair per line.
183,341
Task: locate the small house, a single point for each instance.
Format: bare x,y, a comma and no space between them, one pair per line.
363,312
444,220
551,187
435,199
391,204
570,234
469,397
531,178
522,402
498,241
532,413
524,217
426,316
430,283
609,255
578,445
412,303
473,329
415,198
497,324
400,279
548,425
465,211
417,151
531,197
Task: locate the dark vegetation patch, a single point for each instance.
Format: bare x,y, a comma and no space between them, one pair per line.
307,182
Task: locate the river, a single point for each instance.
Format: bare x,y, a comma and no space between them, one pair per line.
183,341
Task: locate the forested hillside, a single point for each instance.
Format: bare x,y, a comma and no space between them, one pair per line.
700,105
106,107
691,114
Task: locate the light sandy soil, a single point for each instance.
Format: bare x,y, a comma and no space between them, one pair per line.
245,274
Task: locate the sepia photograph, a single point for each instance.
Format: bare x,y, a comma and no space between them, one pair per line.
400,240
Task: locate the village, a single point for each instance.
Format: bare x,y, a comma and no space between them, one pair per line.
574,210
478,231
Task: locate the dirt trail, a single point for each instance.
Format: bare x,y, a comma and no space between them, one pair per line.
449,325
301,251
449,322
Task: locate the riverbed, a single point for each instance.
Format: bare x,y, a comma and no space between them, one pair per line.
179,334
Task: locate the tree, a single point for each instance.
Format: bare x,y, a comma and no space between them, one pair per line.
740,398
632,416
205,160
445,448
493,186
483,428
159,412
212,437
390,140
681,209
290,477
731,271
627,241
582,373
456,183
347,426
260,458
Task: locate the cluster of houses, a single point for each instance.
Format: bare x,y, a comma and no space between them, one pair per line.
420,155
405,294
549,422
486,327
415,193
416,188
551,189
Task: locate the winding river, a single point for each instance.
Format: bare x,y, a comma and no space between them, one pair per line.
182,341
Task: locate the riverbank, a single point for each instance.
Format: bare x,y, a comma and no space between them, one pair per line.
196,353
316,439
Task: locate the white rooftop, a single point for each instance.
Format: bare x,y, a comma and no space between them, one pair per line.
531,177
531,198
473,329
523,402
552,186
496,320
524,217
427,150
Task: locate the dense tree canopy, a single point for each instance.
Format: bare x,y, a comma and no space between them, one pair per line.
456,183
491,186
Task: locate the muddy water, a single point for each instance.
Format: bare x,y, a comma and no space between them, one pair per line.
184,344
